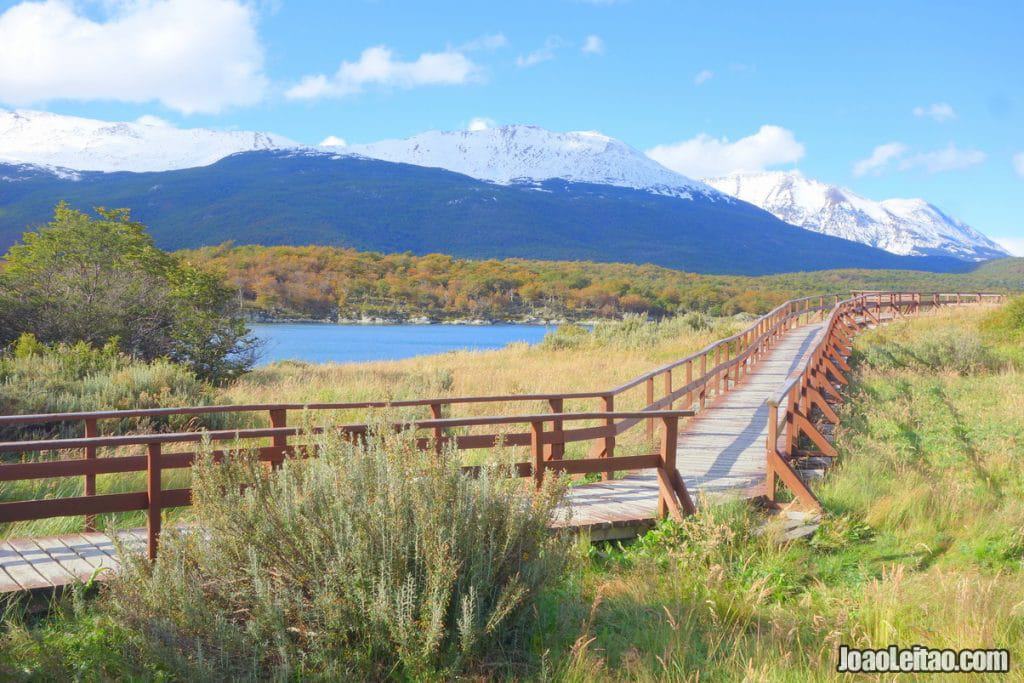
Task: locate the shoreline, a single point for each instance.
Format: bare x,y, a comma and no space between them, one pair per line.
384,322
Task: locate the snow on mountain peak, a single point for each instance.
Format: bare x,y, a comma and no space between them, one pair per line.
901,226
150,144
510,154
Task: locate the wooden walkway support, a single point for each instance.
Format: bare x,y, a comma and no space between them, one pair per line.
752,404
722,450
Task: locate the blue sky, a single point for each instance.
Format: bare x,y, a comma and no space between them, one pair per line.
890,99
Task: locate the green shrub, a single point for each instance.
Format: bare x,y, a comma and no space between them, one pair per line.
838,532
1007,322
91,278
567,336
35,378
376,562
636,331
941,350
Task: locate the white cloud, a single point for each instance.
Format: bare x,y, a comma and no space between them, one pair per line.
492,41
378,66
703,77
704,156
480,123
896,155
333,141
1018,163
880,158
542,54
593,45
940,111
1014,245
189,55
949,158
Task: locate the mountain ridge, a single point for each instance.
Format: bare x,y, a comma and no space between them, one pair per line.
912,227
516,155
284,197
522,153
74,143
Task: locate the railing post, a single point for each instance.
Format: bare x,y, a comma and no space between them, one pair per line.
650,400
91,431
557,450
537,451
668,387
771,446
741,346
609,441
435,412
669,439
153,471
718,373
740,351
790,435
689,379
702,396
279,418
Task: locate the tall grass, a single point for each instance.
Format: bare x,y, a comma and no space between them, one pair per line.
35,378
85,379
921,544
365,561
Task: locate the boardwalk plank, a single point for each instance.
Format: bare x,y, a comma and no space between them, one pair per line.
19,571
721,452
51,573
60,554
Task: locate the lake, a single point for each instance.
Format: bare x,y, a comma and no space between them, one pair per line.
321,343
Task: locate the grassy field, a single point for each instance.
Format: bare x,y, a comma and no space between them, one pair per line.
570,360
923,541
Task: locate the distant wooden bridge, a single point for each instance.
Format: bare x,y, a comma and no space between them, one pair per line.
750,410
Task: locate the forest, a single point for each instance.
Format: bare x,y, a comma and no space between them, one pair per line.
329,283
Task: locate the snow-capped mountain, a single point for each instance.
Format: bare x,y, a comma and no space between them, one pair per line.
65,146
70,142
902,226
517,154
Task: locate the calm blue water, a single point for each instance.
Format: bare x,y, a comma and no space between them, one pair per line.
319,343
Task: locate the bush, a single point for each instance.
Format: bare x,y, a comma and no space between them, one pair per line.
1007,322
636,331
376,562
36,378
92,279
960,351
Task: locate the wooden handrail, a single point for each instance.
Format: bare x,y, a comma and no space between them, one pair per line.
673,494
730,358
789,409
263,432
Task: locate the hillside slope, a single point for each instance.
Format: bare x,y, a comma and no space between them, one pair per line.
294,197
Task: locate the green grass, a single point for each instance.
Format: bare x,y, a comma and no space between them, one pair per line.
923,543
923,540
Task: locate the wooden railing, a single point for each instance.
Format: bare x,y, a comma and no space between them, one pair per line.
708,373
813,386
546,449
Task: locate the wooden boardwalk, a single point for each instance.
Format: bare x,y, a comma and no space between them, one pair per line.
33,563
721,451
